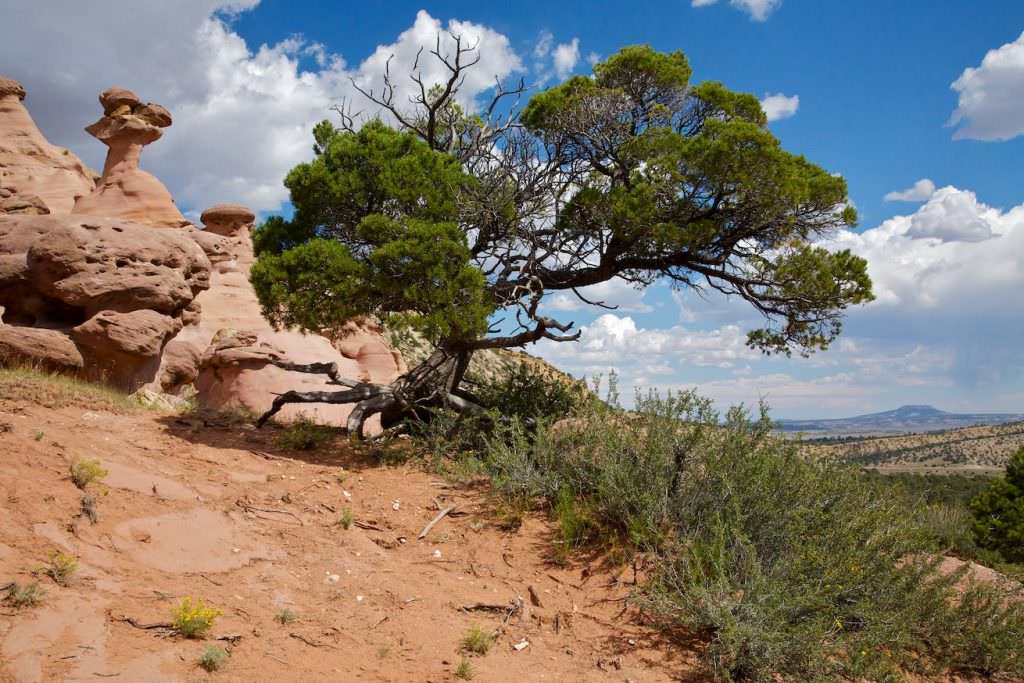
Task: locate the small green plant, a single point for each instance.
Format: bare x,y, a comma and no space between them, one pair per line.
38,435
61,567
85,472
213,658
346,518
304,435
285,616
194,620
464,671
22,597
383,651
477,640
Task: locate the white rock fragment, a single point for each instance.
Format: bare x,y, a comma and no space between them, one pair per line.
437,553
521,645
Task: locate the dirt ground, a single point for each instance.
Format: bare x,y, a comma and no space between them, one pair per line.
218,512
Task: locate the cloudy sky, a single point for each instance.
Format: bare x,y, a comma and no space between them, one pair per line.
919,105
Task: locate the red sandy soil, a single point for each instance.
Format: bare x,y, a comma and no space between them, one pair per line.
216,511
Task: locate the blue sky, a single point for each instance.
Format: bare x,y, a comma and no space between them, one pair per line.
867,87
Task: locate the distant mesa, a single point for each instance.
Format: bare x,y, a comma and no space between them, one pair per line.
903,420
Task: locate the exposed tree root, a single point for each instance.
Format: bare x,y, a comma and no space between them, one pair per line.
433,383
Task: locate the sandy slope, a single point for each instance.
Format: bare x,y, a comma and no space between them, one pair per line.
217,512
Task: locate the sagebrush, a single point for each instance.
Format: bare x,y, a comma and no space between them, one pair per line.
791,566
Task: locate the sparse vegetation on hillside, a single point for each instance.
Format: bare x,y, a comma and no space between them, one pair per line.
58,391
985,448
789,565
304,435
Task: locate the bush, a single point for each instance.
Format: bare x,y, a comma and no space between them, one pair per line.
999,512
85,472
477,640
285,616
791,566
304,435
22,597
345,518
213,658
529,392
194,620
61,567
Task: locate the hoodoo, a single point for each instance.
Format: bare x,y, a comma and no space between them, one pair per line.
35,176
125,190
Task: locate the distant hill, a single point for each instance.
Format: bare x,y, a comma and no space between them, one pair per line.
971,450
904,420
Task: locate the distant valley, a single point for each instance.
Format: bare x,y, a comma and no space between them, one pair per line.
910,419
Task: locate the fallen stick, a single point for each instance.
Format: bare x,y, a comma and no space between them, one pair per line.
367,525
253,508
145,627
441,515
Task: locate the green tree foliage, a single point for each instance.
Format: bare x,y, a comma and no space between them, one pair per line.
999,512
632,173
373,231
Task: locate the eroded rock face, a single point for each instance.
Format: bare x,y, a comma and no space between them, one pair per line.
35,176
237,347
125,190
98,297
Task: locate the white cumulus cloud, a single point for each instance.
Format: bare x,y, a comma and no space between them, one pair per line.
991,96
779,106
922,190
759,10
243,114
566,57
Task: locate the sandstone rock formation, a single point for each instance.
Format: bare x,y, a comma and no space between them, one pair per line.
125,190
94,296
236,347
35,176
125,290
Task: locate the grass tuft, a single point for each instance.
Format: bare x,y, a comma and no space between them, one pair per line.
285,616
23,597
304,435
464,671
28,383
477,640
213,658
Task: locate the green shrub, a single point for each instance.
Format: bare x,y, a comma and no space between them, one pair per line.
345,518
477,640
285,616
464,671
792,567
21,597
529,392
85,472
999,512
213,658
304,435
194,620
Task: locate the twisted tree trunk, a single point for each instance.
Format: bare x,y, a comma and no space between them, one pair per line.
433,383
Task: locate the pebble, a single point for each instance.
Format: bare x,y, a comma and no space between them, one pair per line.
332,579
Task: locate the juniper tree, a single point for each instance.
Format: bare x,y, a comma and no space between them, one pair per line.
462,222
